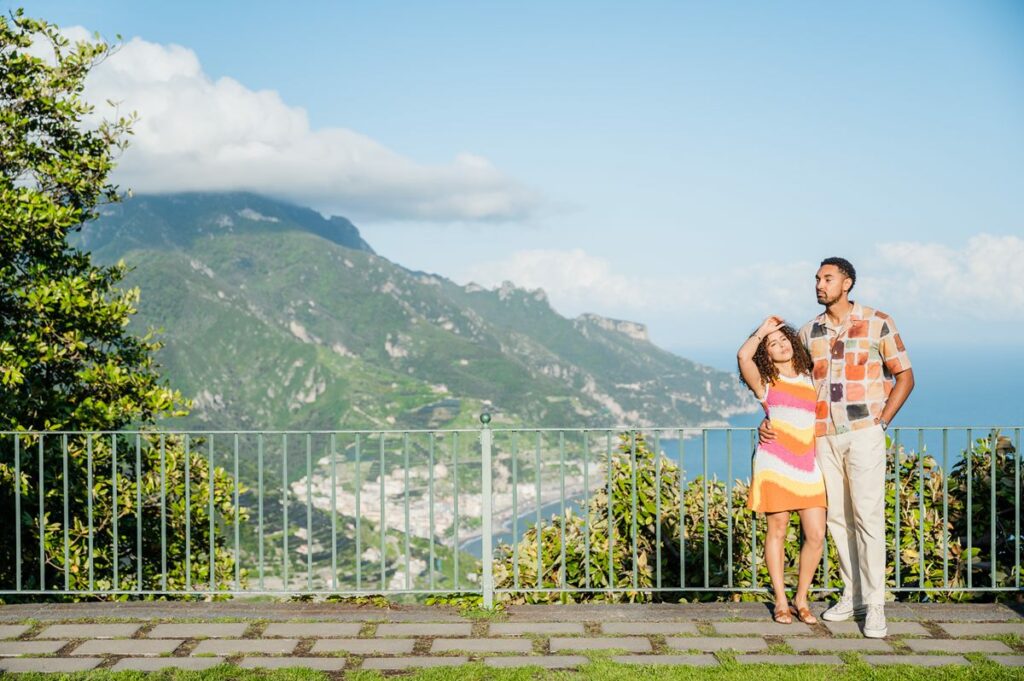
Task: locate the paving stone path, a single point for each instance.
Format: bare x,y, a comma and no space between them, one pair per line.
340,637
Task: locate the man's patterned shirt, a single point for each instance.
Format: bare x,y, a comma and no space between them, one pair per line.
854,365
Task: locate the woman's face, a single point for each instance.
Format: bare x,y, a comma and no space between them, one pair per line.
779,348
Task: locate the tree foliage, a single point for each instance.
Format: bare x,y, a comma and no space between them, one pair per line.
67,360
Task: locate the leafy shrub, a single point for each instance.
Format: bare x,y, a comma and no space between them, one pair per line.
171,535
648,562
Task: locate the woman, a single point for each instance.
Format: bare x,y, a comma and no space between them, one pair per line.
777,368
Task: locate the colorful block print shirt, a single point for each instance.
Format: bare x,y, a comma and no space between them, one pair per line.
853,367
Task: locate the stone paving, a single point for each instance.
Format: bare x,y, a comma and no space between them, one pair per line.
336,638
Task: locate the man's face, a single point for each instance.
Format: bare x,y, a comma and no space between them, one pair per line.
830,284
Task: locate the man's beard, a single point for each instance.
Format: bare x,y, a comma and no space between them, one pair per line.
823,299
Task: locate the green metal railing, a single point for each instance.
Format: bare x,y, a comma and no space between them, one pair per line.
490,511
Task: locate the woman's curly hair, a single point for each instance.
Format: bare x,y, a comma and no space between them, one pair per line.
802,362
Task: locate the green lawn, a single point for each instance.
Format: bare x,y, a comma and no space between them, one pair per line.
598,670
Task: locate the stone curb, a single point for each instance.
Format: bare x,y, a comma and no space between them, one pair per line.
327,664
789,659
916,660
49,664
135,647
312,629
482,645
692,660
89,631
397,663
365,646
152,664
633,644
544,662
199,630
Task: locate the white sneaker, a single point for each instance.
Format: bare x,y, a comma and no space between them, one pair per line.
874,622
841,611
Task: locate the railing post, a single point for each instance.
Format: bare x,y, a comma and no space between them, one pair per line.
486,549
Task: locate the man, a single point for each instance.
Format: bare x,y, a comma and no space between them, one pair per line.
862,377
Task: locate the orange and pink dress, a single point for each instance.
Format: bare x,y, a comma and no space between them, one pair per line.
786,476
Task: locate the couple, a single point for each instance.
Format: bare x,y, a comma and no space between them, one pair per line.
829,393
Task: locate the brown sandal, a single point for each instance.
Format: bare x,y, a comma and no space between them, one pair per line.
804,615
782,616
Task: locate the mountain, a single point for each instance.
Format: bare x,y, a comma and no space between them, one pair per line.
274,317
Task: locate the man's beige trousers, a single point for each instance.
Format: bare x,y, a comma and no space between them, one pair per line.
853,465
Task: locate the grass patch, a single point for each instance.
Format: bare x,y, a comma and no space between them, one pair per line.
598,669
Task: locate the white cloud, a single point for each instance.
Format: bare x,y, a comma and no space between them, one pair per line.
918,283
576,281
196,133
984,280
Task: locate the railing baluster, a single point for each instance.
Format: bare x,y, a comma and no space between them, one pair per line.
1017,508
970,508
515,509
89,504
539,525
704,437
633,507
42,517
188,515
359,516
211,474
611,525
238,547
992,506
898,478
682,508
945,508
383,518
753,534
922,578
430,511
163,513
408,527
728,504
657,509
284,506
309,511
455,487
334,513
259,505
561,499
138,511
17,512
586,509
487,520
113,484
67,515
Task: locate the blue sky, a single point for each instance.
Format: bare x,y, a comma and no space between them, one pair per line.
681,164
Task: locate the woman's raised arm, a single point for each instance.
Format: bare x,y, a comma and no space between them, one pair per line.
745,355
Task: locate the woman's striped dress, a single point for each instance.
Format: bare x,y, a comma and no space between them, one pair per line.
786,476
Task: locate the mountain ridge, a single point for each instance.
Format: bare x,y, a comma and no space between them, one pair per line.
275,316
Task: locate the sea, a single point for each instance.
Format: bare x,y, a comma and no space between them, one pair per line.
958,391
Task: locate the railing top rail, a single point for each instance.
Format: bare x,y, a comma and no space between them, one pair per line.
520,429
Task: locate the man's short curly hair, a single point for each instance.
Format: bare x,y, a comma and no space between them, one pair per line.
845,266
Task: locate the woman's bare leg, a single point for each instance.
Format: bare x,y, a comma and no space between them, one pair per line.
812,521
775,555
